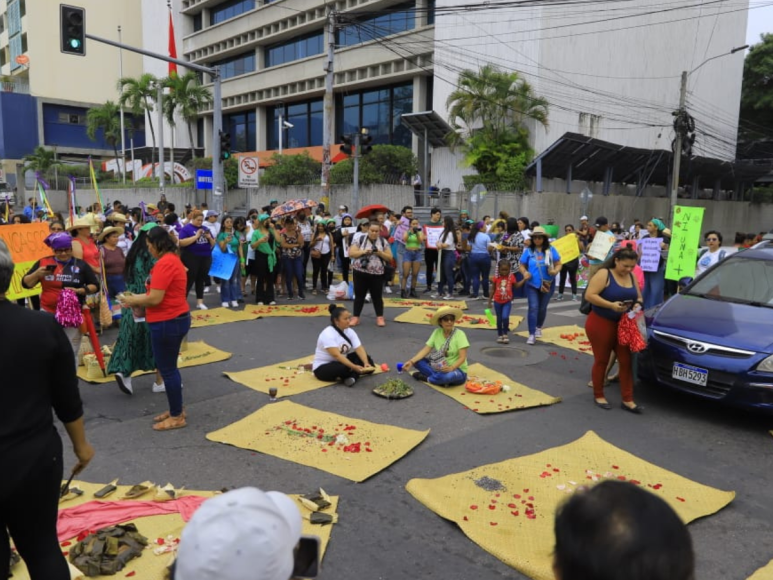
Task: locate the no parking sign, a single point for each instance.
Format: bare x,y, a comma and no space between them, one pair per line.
248,172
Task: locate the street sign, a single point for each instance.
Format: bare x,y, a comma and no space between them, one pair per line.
248,172
204,179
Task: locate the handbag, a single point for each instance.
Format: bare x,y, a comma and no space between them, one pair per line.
316,254
437,358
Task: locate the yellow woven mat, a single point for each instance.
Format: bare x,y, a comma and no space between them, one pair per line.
571,337
347,447
764,573
288,310
432,304
423,316
150,566
216,316
515,522
198,353
519,396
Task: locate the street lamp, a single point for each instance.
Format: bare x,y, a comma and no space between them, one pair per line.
282,126
679,124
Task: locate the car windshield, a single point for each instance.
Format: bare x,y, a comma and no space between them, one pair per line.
744,281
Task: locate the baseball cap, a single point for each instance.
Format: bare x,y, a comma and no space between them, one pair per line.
244,534
601,221
584,218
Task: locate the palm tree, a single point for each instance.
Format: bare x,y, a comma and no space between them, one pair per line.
139,95
41,160
188,97
107,118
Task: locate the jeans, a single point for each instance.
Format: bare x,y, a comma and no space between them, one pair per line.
654,287
447,263
452,379
399,256
503,317
115,285
230,289
293,268
538,306
166,337
480,268
464,268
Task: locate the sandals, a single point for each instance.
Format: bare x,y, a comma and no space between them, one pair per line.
171,423
166,415
379,321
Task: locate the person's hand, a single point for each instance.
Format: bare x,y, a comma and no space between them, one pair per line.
620,306
85,454
407,365
489,303
42,272
358,369
527,276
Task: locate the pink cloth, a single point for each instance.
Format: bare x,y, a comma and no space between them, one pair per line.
94,515
639,273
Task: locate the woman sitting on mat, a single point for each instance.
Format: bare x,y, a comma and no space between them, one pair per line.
340,354
443,360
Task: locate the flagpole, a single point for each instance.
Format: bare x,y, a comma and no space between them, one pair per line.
123,136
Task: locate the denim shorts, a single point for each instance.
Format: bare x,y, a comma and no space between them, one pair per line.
412,256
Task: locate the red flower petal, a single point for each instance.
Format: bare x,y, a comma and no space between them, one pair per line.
512,505
635,482
473,507
132,573
525,491
615,467
621,477
65,544
531,498
160,541
515,513
324,450
492,507
493,523
516,496
465,519
681,499
65,553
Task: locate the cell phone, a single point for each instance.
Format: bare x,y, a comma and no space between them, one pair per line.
306,558
51,267
628,302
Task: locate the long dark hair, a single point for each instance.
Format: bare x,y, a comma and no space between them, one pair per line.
448,226
160,239
512,225
474,231
137,250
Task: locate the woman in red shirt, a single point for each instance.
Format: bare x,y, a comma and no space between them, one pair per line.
168,318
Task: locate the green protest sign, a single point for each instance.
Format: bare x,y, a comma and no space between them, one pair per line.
685,241
552,231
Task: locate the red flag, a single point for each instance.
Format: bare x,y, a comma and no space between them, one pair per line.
172,46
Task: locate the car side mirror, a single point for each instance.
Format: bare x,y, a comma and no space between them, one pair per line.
684,282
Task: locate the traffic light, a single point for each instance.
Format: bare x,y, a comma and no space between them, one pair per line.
72,20
346,148
225,146
365,144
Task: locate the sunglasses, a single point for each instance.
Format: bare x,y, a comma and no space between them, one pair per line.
448,318
63,251
712,239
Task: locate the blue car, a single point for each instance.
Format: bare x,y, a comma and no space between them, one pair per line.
715,339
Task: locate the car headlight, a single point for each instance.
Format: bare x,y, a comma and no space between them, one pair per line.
766,366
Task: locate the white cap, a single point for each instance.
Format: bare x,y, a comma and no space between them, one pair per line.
584,218
244,534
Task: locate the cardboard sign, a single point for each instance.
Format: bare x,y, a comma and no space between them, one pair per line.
223,264
685,241
567,247
432,235
25,242
650,254
602,243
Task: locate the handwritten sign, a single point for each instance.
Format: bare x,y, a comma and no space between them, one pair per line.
432,235
223,264
602,243
567,247
25,242
650,254
685,240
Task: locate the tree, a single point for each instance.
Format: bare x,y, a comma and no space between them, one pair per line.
291,170
187,97
106,118
139,95
757,90
41,160
488,111
384,164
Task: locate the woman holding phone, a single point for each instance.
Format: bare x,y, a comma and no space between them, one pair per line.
228,242
196,243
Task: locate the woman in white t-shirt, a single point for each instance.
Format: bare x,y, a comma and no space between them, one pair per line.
322,248
713,254
447,245
339,355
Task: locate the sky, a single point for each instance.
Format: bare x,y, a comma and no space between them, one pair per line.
760,20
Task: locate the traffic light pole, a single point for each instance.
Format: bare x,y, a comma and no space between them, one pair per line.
356,180
218,182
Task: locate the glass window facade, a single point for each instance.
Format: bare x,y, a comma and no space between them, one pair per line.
228,10
297,49
401,17
198,22
431,12
306,120
379,111
241,126
237,65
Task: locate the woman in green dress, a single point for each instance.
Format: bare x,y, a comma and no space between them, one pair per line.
133,351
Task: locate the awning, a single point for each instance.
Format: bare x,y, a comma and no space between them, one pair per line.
428,123
590,159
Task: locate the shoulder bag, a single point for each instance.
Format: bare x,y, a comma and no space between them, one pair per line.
437,358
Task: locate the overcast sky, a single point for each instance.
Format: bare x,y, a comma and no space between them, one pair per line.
760,20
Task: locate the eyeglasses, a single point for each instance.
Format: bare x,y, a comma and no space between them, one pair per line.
63,251
448,318
56,229
712,239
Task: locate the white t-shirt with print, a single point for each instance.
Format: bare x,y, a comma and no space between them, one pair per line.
331,338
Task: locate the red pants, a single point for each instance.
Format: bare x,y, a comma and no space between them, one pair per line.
602,334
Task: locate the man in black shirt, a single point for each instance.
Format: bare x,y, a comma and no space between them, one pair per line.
38,374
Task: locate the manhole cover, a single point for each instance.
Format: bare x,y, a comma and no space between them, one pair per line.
504,352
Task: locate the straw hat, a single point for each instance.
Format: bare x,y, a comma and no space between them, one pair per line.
78,224
117,217
107,231
539,231
445,311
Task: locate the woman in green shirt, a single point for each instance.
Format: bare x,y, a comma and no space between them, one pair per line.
443,360
414,240
264,242
228,242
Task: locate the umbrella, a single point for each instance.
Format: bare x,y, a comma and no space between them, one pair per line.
368,210
93,338
292,206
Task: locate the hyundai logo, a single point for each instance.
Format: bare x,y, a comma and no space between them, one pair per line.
697,347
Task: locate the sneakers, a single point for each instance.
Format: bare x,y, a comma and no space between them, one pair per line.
224,304
387,289
349,382
217,287
434,296
301,297
202,307
159,388
290,298
575,298
538,333
500,339
419,376
260,304
505,340
124,383
559,297
531,339
380,321
354,321
234,303
272,303
206,289
314,292
447,297
367,298
428,290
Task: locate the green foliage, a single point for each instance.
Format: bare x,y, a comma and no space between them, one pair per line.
41,159
756,93
230,169
509,177
186,97
106,117
292,170
762,195
384,164
139,95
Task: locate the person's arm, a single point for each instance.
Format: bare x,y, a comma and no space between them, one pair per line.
556,264
596,286
385,254
283,242
360,350
257,241
522,266
185,242
34,276
77,249
459,362
405,235
154,298
355,251
417,357
335,352
222,243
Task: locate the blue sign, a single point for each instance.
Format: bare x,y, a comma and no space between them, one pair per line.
204,179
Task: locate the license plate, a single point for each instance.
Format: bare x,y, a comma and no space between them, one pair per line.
690,374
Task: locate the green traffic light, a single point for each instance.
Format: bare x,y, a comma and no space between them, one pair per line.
74,43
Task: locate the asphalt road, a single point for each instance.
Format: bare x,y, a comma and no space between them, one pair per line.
383,532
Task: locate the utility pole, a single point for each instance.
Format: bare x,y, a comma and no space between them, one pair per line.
160,121
356,181
327,111
281,130
123,137
677,147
